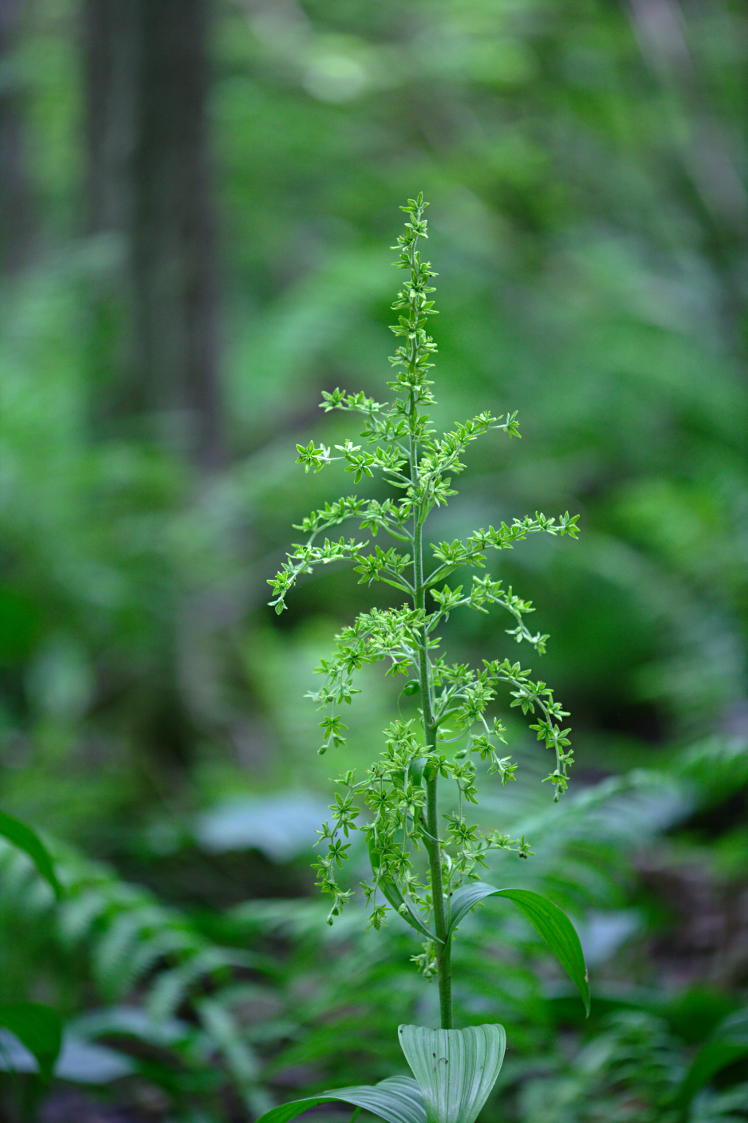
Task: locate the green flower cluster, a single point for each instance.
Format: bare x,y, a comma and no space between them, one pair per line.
419,856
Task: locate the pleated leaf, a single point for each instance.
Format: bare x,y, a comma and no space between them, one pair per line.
454,1068
548,920
397,1100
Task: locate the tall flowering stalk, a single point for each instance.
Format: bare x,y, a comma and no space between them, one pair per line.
425,854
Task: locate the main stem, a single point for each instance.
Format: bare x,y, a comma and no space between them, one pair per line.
433,846
420,511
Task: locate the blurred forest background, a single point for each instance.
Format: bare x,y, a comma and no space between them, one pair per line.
196,201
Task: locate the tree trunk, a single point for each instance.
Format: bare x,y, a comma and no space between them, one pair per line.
16,210
154,334
172,224
110,54
153,338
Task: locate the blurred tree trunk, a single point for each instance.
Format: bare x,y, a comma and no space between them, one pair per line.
172,223
109,53
16,210
148,188
153,339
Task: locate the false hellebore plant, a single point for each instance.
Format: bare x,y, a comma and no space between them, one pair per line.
424,863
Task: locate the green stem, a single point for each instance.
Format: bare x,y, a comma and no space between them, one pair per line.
444,949
432,844
431,839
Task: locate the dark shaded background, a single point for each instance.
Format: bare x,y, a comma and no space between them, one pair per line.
196,202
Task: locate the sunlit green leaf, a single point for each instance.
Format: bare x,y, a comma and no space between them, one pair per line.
548,920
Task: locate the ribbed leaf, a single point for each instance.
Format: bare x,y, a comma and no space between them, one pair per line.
27,840
38,1028
396,1099
454,1068
548,920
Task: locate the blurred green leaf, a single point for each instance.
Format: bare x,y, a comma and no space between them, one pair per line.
281,825
728,1044
24,838
38,1028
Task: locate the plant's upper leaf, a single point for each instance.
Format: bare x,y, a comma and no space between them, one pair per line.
397,1099
454,1068
403,909
38,1028
393,895
24,838
548,919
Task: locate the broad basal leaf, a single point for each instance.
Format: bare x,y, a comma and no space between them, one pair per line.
454,1068
547,919
397,1100
27,840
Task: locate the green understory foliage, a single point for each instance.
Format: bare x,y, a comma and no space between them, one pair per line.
592,256
618,331
174,1002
